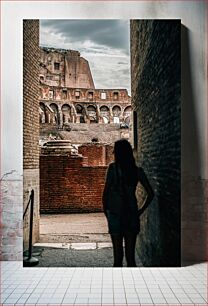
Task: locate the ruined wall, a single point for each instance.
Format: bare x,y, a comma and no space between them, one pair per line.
64,68
83,133
97,154
83,105
67,93
31,123
69,185
155,58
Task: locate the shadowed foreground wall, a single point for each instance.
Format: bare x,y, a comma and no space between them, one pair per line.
31,124
155,59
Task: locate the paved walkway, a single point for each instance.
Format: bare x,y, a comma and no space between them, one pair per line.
69,228
54,256
75,240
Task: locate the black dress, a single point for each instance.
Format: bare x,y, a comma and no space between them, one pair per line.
120,203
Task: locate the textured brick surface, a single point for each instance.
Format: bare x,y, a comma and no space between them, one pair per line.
155,58
30,94
67,185
97,155
31,123
194,223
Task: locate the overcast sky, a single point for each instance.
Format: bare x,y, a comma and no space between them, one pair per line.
104,43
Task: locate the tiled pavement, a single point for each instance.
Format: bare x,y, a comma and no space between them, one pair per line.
103,286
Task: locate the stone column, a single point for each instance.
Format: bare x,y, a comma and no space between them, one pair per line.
60,116
111,115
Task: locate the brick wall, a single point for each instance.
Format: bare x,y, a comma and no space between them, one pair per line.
97,154
109,154
30,94
68,186
31,123
155,59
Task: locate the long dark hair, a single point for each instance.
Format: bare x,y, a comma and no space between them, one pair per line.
124,158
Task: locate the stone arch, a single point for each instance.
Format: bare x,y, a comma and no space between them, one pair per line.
66,113
42,113
116,110
80,111
55,118
92,113
127,114
105,114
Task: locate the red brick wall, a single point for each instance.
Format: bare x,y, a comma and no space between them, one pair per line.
97,154
94,153
109,154
67,186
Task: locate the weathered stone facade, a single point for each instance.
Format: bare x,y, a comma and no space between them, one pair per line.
72,109
31,58
83,133
156,100
64,68
67,94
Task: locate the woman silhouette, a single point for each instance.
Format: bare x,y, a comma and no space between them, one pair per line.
120,203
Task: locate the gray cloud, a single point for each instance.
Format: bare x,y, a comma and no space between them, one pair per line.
104,43
111,33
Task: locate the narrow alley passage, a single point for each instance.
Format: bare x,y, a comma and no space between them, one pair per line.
74,240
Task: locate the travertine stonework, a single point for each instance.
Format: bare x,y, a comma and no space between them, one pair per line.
67,95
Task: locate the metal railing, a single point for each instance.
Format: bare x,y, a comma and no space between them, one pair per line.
30,261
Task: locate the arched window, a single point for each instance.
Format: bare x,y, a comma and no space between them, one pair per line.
105,114
127,114
66,113
92,115
116,113
42,113
79,109
54,107
80,113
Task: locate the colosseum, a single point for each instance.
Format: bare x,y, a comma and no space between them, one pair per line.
70,105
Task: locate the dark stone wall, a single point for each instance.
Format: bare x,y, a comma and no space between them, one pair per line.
156,99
